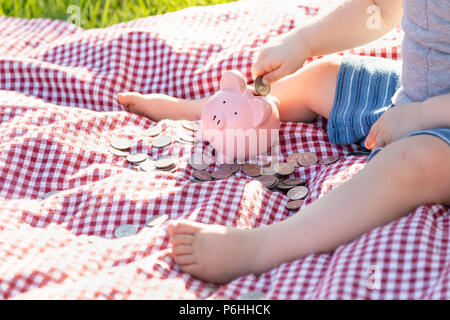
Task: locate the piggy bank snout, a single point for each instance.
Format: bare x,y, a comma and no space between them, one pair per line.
218,121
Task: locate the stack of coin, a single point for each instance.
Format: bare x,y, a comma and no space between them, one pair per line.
294,204
162,141
136,158
252,170
166,163
284,168
185,138
268,181
199,161
233,167
222,173
120,147
307,159
189,125
297,193
201,175
152,132
147,165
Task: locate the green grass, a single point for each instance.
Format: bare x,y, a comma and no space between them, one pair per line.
96,13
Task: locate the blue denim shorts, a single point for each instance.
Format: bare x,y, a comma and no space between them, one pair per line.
364,90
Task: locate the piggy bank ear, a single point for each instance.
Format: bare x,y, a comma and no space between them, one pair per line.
233,80
261,111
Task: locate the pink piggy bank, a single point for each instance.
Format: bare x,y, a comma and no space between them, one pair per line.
238,124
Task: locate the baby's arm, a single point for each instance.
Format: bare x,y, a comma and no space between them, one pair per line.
404,119
435,112
351,24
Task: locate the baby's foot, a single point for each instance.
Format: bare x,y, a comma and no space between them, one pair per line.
215,253
156,106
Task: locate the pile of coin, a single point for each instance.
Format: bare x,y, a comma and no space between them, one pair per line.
272,176
140,161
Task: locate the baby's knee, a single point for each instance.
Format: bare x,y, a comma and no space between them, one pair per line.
423,161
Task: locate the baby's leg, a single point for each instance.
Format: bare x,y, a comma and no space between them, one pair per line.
303,95
407,173
159,106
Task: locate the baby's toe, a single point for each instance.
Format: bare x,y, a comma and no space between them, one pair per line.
182,249
184,227
180,239
185,259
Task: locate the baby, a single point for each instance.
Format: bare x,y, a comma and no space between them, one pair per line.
401,114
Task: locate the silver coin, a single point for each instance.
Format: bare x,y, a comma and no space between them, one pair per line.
51,193
187,138
190,125
152,132
119,153
165,163
260,87
137,157
253,295
125,230
162,141
147,165
121,143
157,220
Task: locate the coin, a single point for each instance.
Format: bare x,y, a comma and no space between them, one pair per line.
329,160
253,295
157,220
51,193
162,141
268,181
292,158
147,165
117,152
307,159
294,205
152,132
222,173
165,163
199,161
294,182
252,170
189,125
201,175
233,167
260,87
284,168
267,171
120,143
297,193
187,138
282,186
125,230
137,157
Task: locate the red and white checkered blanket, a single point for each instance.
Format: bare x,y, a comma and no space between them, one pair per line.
58,108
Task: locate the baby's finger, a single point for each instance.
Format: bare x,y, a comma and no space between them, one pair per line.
379,143
274,76
372,136
260,68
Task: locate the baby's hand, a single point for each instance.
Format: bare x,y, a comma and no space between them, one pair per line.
395,123
280,57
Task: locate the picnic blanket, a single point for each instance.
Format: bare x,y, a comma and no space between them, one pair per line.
58,87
